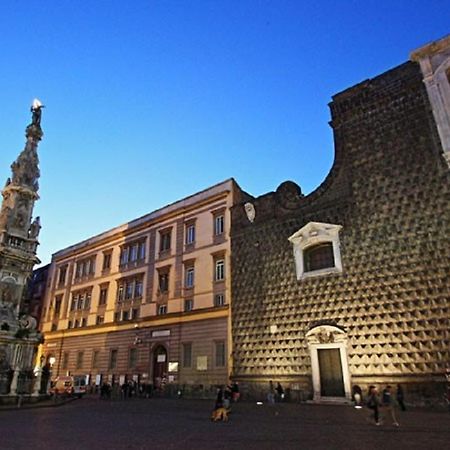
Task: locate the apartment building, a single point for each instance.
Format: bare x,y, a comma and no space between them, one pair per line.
147,301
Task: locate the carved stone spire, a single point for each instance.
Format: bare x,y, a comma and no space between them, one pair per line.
18,231
25,170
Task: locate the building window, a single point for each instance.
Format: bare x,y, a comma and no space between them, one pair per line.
165,237
87,301
69,324
187,354
62,275
113,359
107,261
76,324
220,354
83,322
133,252
81,300
103,295
57,308
134,314
318,257
120,289
95,359
317,250
125,315
190,234
54,327
219,273
162,309
80,356
189,278
219,224
116,316
99,320
129,289
188,305
219,300
138,289
85,267
65,361
132,358
163,282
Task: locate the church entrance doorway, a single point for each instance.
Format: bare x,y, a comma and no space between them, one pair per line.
329,367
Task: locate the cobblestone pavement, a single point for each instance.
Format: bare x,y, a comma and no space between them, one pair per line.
185,424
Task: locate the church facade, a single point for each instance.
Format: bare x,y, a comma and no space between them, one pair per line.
350,285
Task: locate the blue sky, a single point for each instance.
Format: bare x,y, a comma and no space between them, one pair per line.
151,101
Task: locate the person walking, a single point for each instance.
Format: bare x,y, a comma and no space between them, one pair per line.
400,397
357,396
235,391
271,394
388,404
373,402
280,392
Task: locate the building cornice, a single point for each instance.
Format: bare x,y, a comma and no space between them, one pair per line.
182,206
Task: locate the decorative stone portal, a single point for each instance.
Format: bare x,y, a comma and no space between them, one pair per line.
330,375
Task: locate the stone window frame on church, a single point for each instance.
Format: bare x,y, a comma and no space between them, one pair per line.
434,60
311,239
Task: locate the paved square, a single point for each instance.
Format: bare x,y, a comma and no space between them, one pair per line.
185,424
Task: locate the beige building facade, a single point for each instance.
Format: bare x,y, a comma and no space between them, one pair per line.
148,301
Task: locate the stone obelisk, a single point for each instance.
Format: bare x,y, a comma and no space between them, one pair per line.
19,233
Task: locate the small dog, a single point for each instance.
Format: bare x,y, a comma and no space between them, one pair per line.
219,414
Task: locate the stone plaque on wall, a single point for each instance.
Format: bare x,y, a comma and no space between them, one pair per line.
202,363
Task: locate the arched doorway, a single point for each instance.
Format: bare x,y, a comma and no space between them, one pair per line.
159,367
330,374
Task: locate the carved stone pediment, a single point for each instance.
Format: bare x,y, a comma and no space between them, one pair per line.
314,232
326,334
